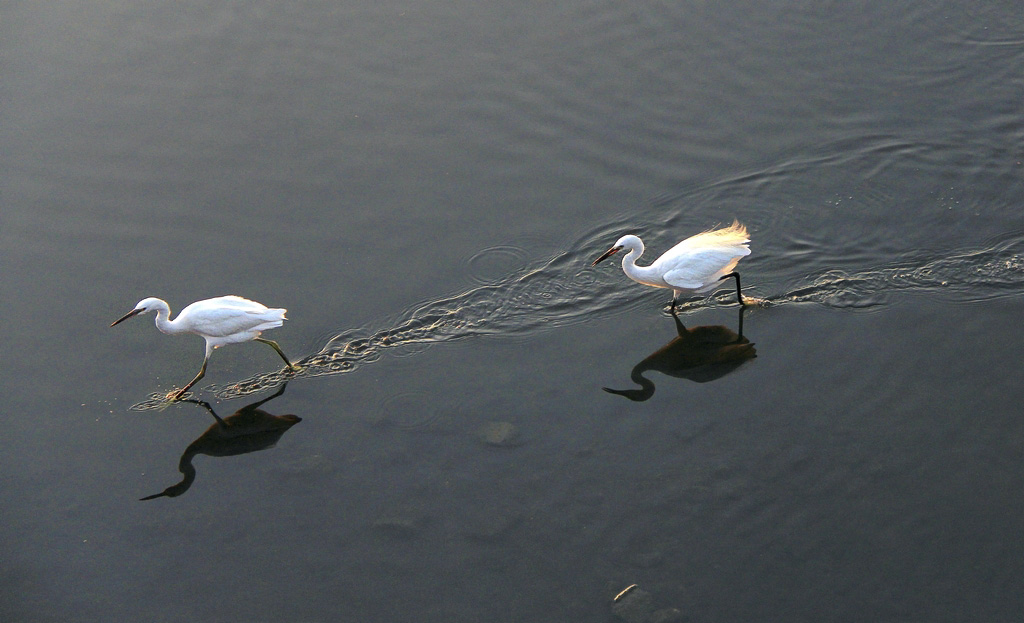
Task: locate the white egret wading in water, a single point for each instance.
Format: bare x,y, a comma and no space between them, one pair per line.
696,264
219,321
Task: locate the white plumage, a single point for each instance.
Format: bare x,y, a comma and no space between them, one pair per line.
219,321
697,264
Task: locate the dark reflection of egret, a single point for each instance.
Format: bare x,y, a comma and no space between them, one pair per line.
700,354
247,430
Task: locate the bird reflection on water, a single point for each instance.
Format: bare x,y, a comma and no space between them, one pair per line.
700,354
247,430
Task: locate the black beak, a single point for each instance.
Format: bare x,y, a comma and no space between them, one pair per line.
134,312
607,254
172,491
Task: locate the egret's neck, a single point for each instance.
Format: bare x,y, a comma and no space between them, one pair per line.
641,274
637,376
636,395
185,462
189,475
164,322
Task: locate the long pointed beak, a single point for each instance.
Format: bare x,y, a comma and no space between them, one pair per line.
607,254
134,312
154,496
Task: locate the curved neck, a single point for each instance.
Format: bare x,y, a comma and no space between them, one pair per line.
189,473
637,376
186,469
636,395
641,274
185,462
164,322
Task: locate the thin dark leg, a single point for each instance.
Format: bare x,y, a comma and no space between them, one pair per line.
739,292
743,308
274,345
181,392
206,405
259,403
203,404
267,399
680,329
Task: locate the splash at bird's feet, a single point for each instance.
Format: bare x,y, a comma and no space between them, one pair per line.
175,395
751,301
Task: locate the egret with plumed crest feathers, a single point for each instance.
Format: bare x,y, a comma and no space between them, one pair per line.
219,321
695,265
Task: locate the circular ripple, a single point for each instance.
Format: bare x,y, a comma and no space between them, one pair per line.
491,266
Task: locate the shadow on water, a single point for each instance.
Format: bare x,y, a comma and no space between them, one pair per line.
247,430
801,252
698,354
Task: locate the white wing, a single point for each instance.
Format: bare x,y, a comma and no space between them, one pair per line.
693,271
229,315
698,262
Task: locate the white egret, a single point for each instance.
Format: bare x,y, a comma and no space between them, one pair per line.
219,321
696,264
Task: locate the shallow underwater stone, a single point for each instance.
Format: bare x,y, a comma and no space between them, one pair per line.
500,434
636,606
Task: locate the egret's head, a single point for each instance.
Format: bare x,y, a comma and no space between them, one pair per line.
629,241
172,491
143,306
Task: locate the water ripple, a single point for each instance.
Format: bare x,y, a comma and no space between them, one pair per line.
566,290
965,276
490,266
817,220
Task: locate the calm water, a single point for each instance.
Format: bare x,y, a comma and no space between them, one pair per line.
423,186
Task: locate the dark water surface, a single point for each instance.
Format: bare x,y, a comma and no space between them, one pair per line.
423,186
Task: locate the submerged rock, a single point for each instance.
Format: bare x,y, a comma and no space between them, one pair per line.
634,606
399,526
500,434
